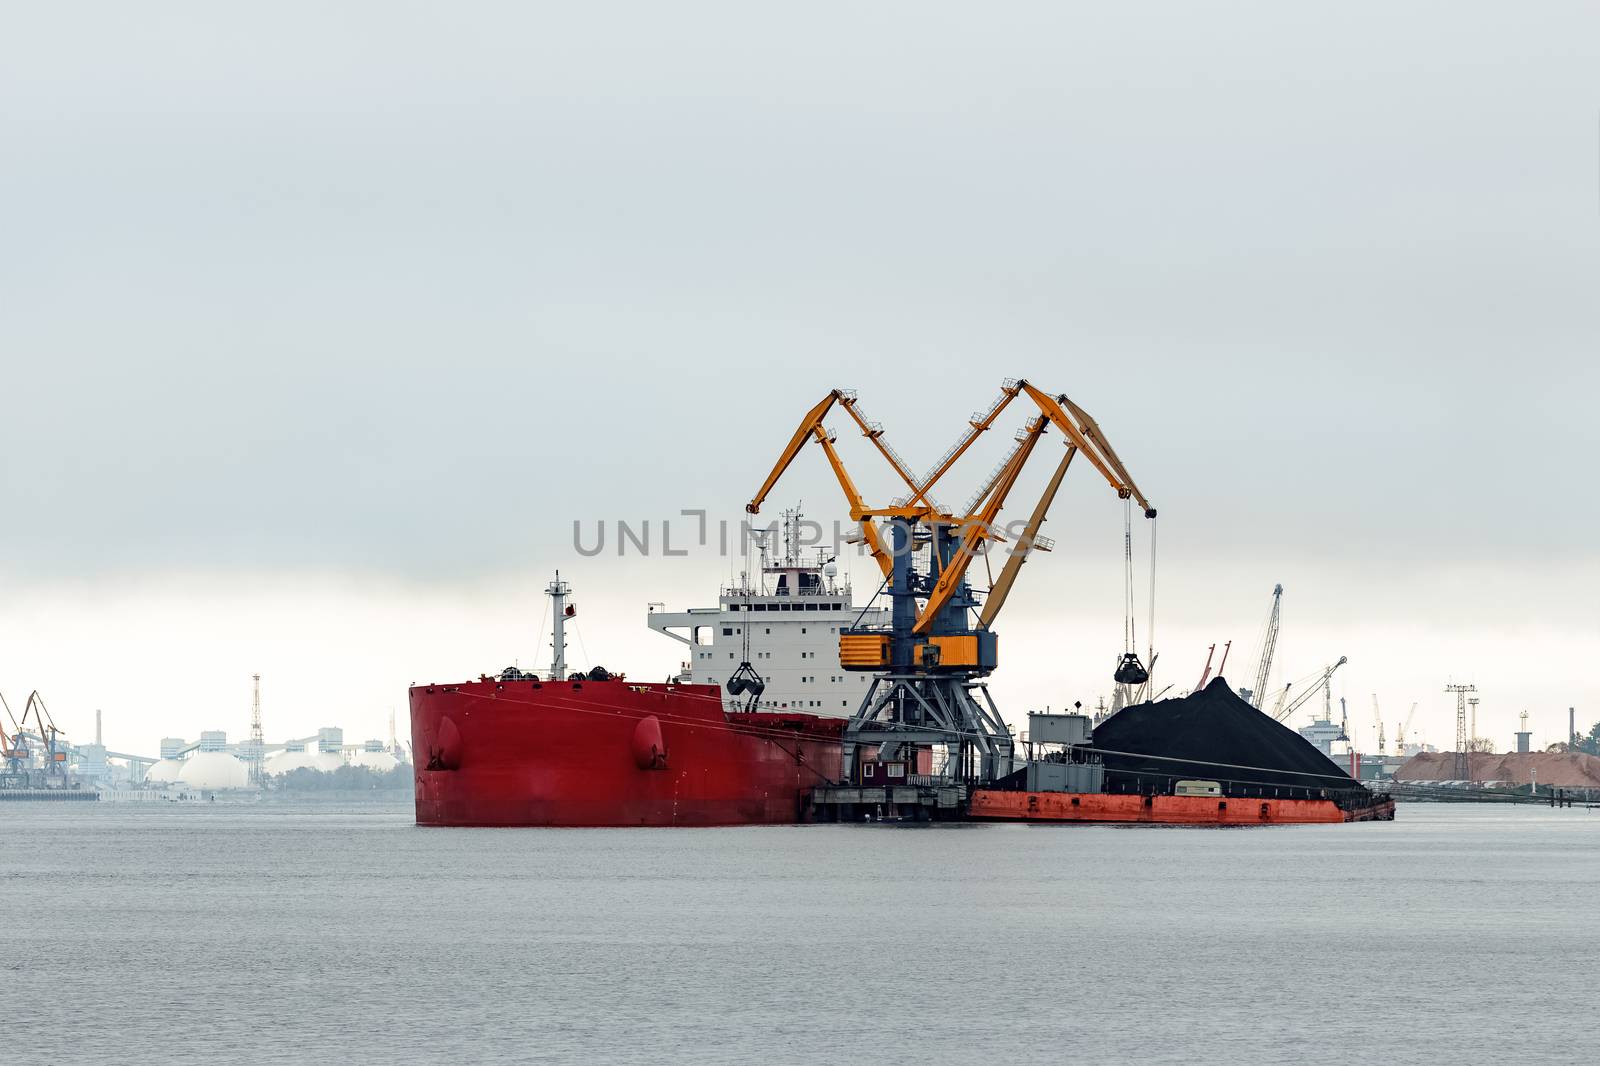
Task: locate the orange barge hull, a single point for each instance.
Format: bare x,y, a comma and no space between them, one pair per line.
995,805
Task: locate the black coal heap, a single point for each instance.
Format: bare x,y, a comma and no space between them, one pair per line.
1215,736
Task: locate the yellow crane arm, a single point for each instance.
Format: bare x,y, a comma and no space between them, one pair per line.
811,428
1090,441
1024,545
1091,430
812,421
874,433
1008,392
857,506
977,529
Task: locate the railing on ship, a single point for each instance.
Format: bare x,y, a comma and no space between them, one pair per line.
839,589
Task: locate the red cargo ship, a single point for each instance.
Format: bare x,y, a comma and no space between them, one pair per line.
523,751
598,750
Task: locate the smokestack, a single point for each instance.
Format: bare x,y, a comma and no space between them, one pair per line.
97,741
1572,727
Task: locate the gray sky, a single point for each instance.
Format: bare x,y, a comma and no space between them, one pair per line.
323,323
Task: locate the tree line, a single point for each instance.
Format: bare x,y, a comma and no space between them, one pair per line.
344,779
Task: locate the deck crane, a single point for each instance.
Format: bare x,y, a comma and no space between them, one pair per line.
1322,681
931,658
1269,644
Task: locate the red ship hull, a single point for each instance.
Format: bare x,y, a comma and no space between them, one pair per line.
610,753
994,805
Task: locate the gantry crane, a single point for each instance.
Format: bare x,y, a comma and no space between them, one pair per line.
930,659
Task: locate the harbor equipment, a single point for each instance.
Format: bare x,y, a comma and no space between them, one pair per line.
929,662
1321,684
1463,763
257,751
1269,644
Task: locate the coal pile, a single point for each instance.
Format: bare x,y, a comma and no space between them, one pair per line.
1214,735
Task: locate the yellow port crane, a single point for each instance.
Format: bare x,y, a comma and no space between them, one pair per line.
977,524
930,657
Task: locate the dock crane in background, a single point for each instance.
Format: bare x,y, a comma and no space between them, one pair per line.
1269,644
1377,717
1322,682
1400,739
930,660
33,734
55,755
1205,675
13,749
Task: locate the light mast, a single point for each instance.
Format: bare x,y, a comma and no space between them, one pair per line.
560,611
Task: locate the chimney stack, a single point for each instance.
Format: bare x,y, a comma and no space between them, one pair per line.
97,740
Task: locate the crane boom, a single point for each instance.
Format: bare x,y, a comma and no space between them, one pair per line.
1268,645
980,421
977,529
1087,436
1025,544
1321,683
1405,728
808,426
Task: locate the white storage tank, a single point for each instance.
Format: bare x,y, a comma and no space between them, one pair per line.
214,771
165,772
373,756
283,762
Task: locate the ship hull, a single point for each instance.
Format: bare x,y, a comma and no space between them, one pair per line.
997,805
609,753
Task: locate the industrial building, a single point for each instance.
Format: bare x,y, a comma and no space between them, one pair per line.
36,756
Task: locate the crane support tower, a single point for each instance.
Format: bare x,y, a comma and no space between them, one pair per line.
930,660
1463,762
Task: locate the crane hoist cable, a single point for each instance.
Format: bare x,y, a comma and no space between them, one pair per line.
745,681
1150,625
1130,671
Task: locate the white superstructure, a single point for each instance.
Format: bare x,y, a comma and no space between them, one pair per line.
794,611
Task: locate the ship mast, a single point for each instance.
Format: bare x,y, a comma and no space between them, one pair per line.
558,591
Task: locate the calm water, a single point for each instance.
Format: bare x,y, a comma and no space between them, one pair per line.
348,935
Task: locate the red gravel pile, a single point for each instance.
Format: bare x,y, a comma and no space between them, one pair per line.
1553,768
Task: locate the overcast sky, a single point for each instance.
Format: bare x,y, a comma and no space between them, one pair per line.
323,323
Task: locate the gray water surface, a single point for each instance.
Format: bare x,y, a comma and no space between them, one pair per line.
346,934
